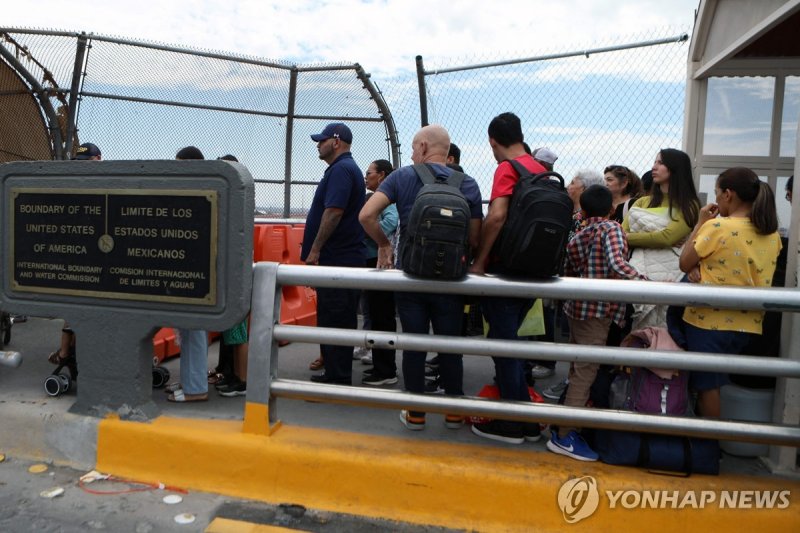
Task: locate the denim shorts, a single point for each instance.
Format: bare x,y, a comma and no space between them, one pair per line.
716,342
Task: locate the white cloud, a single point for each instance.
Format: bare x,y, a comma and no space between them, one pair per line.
384,36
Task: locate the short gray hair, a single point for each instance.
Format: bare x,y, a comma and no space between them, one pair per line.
589,177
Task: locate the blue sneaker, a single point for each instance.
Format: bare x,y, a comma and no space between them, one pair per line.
572,445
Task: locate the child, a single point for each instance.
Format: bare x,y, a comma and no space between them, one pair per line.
599,250
740,247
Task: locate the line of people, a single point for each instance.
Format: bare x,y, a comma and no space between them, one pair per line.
733,241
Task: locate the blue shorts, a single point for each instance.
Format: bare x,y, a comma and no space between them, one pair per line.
716,342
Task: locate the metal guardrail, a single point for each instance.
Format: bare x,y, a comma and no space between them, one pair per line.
266,332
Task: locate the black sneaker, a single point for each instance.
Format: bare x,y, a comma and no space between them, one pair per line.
500,430
226,381
375,380
531,432
323,378
433,387
233,390
433,362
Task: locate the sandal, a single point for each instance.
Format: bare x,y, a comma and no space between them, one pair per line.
317,364
179,397
215,377
173,387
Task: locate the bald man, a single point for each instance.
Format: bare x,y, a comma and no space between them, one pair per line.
418,312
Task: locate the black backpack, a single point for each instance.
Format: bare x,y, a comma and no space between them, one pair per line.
436,239
535,234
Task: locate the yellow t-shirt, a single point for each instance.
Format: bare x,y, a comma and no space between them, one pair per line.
732,253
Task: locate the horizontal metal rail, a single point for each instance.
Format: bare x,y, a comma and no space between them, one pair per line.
649,292
173,103
266,332
265,220
549,351
677,39
540,412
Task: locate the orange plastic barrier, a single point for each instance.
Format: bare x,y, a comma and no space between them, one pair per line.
165,345
282,243
270,243
299,306
295,242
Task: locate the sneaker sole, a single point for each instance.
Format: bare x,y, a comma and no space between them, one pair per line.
555,448
387,381
499,438
452,424
552,395
531,438
413,426
232,394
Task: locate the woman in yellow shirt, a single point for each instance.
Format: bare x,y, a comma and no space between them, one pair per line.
735,242
657,225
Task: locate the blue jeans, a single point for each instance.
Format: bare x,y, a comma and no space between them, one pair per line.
337,308
505,316
418,312
194,359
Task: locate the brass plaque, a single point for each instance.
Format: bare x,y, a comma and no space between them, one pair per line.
132,244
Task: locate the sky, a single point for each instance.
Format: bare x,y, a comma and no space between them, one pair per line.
383,36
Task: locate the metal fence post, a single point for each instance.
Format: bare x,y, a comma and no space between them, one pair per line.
377,97
260,415
423,96
785,404
287,172
72,112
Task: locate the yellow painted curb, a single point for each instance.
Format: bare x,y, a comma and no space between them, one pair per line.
454,485
226,525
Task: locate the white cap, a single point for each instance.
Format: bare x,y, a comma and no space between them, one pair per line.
545,154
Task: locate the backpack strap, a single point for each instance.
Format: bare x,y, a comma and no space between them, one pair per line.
427,177
523,172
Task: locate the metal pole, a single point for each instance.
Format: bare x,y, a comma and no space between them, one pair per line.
784,409
652,292
262,355
423,96
677,39
287,161
549,351
383,108
44,100
72,111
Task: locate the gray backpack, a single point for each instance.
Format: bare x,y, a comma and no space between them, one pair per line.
436,240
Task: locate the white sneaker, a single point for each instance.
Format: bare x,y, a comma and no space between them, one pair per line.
541,372
367,359
360,352
554,392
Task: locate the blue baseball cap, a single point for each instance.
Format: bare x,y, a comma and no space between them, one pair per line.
336,130
87,151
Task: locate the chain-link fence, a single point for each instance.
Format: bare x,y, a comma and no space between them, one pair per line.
614,102
139,100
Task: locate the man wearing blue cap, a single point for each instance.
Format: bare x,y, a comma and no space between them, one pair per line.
334,237
88,152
